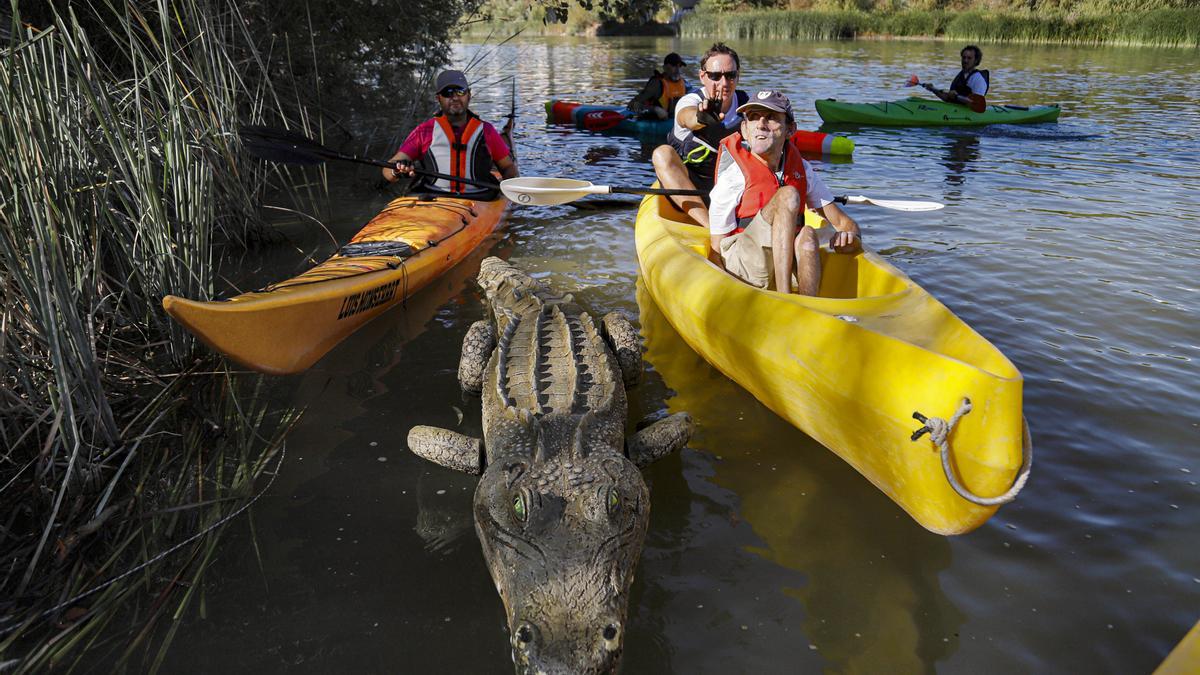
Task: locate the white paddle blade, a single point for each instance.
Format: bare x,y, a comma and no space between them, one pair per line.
548,191
895,204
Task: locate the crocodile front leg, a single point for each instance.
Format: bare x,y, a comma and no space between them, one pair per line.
448,448
623,339
477,348
660,439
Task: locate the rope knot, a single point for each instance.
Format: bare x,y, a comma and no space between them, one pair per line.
939,432
938,429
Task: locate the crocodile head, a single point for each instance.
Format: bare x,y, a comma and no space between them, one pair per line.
562,518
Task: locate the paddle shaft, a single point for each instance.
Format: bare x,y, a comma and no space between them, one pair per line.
289,146
421,172
656,191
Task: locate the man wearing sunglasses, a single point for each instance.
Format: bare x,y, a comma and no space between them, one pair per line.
456,143
763,185
702,119
662,91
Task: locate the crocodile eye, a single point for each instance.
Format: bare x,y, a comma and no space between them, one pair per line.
613,501
519,507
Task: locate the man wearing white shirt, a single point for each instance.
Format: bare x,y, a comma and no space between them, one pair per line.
763,185
702,119
970,86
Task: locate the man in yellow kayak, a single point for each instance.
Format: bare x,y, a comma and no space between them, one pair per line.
970,86
662,91
702,119
455,143
763,185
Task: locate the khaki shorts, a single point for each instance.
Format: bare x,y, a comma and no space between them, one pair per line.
747,254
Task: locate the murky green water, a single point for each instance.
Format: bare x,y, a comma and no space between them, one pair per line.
1072,246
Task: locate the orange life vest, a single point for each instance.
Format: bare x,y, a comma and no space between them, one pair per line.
672,91
761,181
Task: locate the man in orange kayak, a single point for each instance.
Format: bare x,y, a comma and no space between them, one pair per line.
662,91
763,185
971,84
455,143
702,119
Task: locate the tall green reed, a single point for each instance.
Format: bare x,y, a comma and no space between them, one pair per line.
119,175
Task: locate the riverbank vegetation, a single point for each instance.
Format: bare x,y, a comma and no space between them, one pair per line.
570,17
1173,23
125,446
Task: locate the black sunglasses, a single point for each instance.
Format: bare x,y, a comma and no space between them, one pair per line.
451,92
716,77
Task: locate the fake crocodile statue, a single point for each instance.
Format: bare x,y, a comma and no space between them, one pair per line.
561,508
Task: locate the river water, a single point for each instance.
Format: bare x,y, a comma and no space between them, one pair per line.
1072,246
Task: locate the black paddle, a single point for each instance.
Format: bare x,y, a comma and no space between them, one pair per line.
289,147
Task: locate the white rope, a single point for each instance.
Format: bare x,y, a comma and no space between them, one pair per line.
939,432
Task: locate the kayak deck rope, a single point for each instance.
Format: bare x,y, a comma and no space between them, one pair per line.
939,432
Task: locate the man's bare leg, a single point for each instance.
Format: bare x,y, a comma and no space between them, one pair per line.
673,174
780,212
808,261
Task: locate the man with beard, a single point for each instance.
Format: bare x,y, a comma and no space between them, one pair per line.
702,119
971,85
455,142
756,219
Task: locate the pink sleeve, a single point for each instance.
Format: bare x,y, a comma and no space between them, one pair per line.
496,145
419,140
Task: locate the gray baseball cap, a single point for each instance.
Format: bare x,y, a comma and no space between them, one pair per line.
451,78
770,100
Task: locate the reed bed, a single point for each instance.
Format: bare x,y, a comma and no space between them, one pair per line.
122,452
1165,27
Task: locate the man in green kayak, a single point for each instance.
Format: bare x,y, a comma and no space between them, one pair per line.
756,218
970,86
662,91
456,143
702,119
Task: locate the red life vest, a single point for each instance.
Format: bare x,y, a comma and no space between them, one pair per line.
761,182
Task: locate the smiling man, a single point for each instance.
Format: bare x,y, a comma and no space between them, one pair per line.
702,119
456,143
763,185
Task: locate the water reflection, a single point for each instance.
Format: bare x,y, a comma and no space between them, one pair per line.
962,148
872,599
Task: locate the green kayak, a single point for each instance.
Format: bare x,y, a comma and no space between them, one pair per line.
915,112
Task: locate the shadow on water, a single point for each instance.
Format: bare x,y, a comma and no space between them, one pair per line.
871,596
335,566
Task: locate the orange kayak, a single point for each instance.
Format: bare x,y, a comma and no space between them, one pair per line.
287,326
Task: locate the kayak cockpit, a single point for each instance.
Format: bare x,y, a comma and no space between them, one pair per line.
868,292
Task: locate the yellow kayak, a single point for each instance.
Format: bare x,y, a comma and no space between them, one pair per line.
1185,657
285,327
851,366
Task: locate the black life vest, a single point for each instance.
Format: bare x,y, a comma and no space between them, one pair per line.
699,150
959,85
